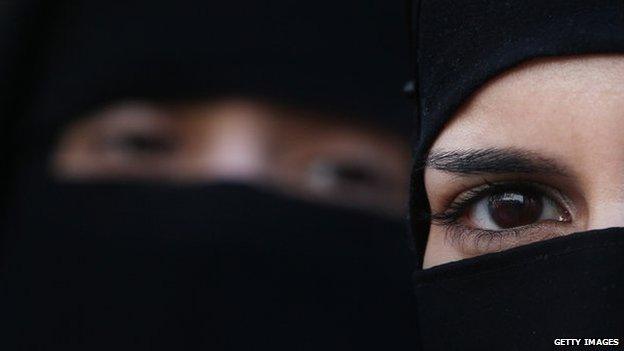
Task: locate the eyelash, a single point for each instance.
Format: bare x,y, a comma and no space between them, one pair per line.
450,218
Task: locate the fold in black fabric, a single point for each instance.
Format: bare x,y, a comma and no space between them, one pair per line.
462,44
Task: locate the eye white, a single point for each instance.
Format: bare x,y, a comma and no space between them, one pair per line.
481,217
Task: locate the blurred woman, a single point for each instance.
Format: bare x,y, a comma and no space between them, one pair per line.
204,175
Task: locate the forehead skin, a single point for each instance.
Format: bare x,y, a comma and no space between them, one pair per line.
568,108
552,93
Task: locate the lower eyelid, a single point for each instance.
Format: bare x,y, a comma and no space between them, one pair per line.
474,242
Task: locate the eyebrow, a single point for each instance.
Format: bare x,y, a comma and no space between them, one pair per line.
494,161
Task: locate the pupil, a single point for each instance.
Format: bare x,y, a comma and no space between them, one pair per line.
512,209
136,143
355,174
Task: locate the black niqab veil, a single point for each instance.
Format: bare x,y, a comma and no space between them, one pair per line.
102,266
524,298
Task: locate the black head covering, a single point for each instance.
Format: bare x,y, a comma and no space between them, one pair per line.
103,266
460,47
314,54
526,297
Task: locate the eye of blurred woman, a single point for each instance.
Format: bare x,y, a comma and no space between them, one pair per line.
353,166
336,175
127,141
140,144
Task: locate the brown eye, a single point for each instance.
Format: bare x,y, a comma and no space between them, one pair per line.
509,210
512,209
